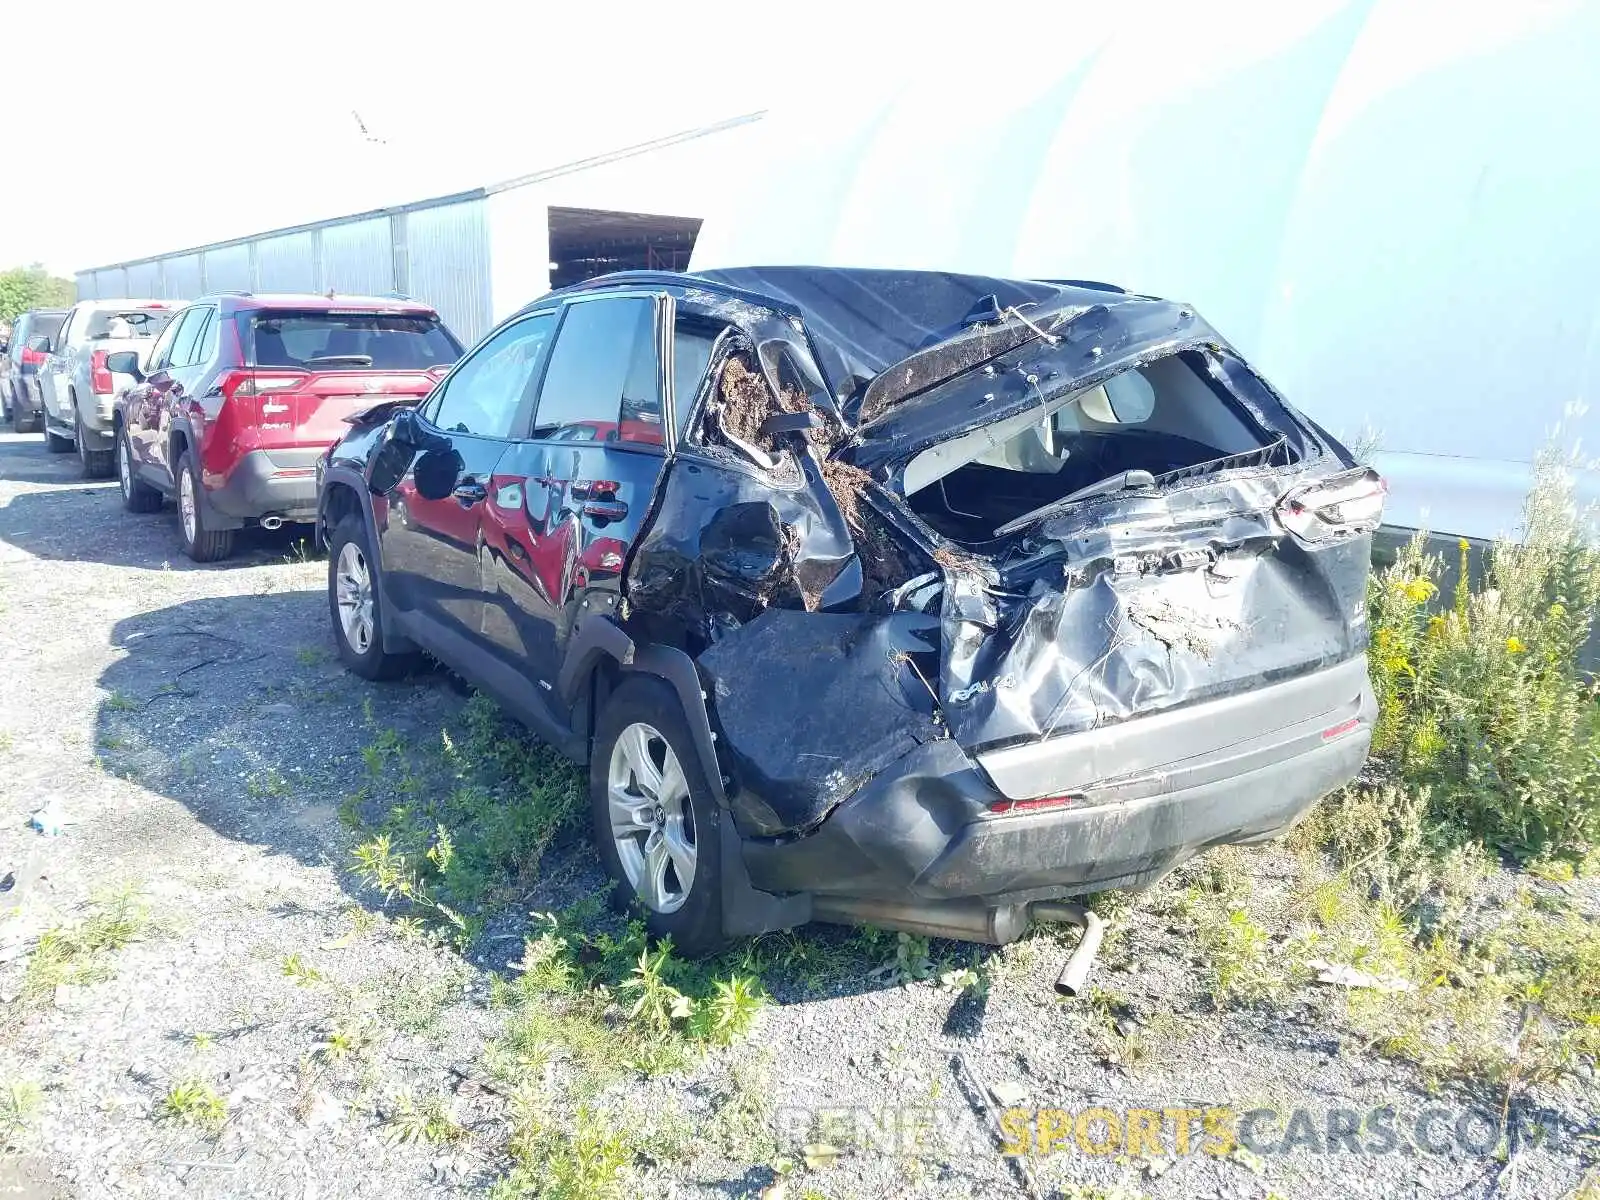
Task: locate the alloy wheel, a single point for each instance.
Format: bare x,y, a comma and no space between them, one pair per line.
652,819
186,505
353,593
124,468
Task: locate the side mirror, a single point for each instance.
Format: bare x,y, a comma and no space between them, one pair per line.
125,362
403,437
39,343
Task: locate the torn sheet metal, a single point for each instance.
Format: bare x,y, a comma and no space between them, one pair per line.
1147,604
810,706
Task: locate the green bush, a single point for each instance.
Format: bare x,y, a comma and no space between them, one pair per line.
1482,701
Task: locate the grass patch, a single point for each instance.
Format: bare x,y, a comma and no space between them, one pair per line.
80,953
468,821
428,1120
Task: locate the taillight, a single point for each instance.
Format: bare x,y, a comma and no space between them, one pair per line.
1342,505
1034,805
260,383
32,358
99,375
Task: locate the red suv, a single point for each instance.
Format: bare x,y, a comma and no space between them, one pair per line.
243,392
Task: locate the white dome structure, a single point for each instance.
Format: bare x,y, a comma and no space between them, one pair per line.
1391,206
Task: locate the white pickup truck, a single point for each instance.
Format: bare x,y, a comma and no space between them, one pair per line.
77,388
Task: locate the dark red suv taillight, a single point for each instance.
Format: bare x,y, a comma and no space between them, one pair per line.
99,375
32,358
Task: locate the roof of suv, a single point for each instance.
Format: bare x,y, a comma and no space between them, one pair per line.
244,301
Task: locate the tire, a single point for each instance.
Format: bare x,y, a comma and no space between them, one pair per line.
355,604
639,815
199,543
95,464
137,496
21,424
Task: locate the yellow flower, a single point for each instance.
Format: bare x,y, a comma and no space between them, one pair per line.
1558,610
1420,591
1463,545
1436,627
1514,645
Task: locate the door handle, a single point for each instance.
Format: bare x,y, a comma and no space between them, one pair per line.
471,492
605,510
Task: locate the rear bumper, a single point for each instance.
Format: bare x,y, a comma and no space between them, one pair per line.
925,831
280,483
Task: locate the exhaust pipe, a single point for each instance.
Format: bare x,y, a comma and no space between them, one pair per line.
973,921
271,521
1070,981
961,920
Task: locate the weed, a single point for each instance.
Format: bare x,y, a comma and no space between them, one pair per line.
584,1161
267,785
427,1121
118,702
1484,701
19,1102
77,954
201,1040
195,1102
303,974
310,656
7,741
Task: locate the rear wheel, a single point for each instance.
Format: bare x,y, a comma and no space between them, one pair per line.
137,496
21,422
95,464
199,543
656,823
355,605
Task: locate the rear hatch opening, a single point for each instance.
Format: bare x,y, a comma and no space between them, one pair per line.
1141,430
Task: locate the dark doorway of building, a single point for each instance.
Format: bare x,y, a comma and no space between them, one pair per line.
585,242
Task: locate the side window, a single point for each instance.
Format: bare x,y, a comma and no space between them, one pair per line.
189,325
603,376
692,342
206,347
68,331
162,350
495,384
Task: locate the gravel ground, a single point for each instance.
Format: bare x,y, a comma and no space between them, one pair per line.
194,725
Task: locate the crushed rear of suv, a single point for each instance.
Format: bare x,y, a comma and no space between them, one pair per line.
927,601
242,393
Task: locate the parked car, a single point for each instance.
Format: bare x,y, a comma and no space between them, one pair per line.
901,598
19,389
243,392
77,386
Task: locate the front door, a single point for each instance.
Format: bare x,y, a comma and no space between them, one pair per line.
569,501
431,548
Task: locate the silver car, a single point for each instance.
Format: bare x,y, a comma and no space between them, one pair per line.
77,387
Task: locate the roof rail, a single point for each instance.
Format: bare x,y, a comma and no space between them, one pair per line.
230,292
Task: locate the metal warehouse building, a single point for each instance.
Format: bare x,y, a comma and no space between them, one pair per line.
478,255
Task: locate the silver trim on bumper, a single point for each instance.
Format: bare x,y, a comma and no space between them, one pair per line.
1075,761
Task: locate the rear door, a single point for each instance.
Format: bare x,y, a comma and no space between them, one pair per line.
313,368
567,503
186,374
142,402
431,548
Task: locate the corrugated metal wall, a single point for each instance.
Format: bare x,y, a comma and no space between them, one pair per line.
358,257
144,280
228,269
180,277
447,264
286,263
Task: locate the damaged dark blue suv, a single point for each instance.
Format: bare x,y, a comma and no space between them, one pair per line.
893,597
